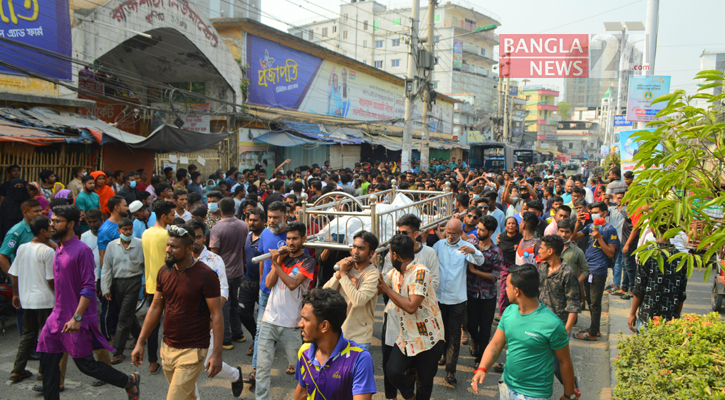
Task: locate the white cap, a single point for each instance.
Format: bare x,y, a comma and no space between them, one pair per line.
135,206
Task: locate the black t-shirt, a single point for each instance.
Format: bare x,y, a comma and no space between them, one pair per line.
541,228
627,229
508,246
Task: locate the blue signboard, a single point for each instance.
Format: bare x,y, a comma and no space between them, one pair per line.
513,91
642,90
43,24
621,120
279,75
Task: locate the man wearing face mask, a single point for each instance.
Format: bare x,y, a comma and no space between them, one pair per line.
128,190
122,271
420,341
454,255
214,214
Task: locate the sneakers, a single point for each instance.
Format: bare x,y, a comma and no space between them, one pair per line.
238,386
240,339
227,346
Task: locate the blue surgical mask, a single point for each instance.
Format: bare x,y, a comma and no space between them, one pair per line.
225,176
85,173
132,184
126,238
213,207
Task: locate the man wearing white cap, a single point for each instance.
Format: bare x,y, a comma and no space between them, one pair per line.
143,219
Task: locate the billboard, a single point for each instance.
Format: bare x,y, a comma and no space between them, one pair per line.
457,53
628,148
42,24
291,79
642,90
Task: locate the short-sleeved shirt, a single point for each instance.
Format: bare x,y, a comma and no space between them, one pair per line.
348,372
226,235
91,241
269,240
154,254
423,329
186,323
284,305
139,227
574,257
106,233
88,201
531,339
19,234
528,251
33,266
597,260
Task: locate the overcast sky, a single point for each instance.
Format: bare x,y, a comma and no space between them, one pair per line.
686,28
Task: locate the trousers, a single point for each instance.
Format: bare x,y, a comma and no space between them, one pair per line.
33,322
596,290
228,373
269,337
126,290
480,319
452,321
50,364
426,368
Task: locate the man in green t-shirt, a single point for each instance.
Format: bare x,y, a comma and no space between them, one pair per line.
535,336
87,199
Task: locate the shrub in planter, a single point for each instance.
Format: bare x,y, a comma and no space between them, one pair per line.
678,359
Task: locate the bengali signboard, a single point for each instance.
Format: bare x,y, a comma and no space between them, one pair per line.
628,147
457,53
42,24
294,80
642,90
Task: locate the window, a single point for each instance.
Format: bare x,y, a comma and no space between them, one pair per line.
345,16
334,28
311,35
365,25
324,32
395,63
468,21
344,34
571,146
436,39
365,44
435,84
396,21
528,98
378,64
378,44
483,51
395,43
376,25
438,18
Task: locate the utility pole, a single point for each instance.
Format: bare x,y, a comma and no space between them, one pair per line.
411,88
427,106
650,28
506,134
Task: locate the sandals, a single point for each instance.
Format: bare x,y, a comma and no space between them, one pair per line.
250,351
117,359
626,296
250,378
290,370
498,367
157,370
97,383
134,382
585,337
21,377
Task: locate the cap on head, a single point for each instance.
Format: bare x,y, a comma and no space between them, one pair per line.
135,206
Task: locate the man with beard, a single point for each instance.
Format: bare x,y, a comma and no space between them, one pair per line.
87,199
420,341
329,364
273,237
215,262
189,291
357,282
249,289
454,255
288,281
481,285
72,327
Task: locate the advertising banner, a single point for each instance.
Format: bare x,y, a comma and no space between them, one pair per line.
457,53
43,24
642,90
294,80
628,148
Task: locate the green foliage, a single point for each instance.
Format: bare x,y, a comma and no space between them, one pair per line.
613,157
564,111
683,160
679,359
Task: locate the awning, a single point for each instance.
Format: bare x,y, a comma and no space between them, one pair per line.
436,144
166,139
48,118
320,132
10,132
282,139
390,143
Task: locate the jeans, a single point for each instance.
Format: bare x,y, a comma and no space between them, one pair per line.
596,290
617,268
426,368
50,365
263,297
269,337
153,341
629,266
33,322
126,291
506,393
248,295
452,320
232,321
480,319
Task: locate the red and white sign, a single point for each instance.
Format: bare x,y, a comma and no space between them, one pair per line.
544,56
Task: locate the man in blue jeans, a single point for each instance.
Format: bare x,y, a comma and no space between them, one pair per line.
600,252
274,237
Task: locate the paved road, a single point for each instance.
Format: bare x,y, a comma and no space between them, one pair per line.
590,361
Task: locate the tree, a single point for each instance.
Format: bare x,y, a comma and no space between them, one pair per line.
564,111
681,187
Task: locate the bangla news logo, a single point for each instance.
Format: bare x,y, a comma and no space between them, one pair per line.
544,56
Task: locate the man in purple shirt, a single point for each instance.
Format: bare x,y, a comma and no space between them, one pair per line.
330,366
73,325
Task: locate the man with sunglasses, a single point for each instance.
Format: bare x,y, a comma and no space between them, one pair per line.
470,220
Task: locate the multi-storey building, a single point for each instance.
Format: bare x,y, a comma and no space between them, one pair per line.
376,35
711,60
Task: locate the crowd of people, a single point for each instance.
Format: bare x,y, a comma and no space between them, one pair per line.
524,253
